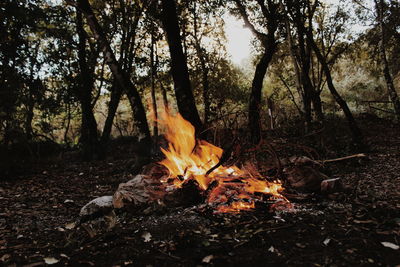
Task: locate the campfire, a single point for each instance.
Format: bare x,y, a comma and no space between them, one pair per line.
194,170
227,188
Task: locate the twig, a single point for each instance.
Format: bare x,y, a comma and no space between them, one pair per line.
361,155
225,156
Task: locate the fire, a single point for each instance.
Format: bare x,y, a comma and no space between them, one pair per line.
230,189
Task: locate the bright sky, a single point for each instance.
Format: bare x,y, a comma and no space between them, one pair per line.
239,39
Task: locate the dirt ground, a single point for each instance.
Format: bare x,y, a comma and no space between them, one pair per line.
36,210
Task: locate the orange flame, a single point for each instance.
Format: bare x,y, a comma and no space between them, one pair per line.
187,158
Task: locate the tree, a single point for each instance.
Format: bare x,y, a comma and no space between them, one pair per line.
355,130
119,75
130,14
180,73
89,138
379,8
269,43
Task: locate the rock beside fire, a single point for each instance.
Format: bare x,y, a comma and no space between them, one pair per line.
96,208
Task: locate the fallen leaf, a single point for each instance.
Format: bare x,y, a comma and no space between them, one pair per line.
5,257
208,258
40,263
271,249
146,236
364,221
68,201
50,260
70,226
300,245
326,241
390,245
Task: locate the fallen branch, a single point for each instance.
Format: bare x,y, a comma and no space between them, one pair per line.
361,155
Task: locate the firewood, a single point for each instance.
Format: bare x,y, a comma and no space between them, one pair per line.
142,189
361,155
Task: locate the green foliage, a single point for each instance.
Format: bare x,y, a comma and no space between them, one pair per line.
39,63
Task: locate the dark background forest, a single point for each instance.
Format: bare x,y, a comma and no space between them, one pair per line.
77,74
82,83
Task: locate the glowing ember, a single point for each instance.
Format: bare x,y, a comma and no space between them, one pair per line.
233,189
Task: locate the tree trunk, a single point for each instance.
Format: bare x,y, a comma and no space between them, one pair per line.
116,94
356,132
153,88
88,137
317,106
268,41
120,77
305,58
164,95
179,69
295,64
386,71
255,96
29,114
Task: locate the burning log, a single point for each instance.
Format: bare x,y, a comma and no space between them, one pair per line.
139,191
304,178
303,175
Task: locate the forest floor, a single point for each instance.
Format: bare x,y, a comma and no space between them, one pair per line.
36,210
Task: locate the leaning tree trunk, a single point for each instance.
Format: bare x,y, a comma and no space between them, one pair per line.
120,77
356,132
179,69
89,136
386,71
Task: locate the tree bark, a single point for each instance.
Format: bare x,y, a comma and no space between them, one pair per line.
386,71
120,76
164,95
255,96
179,69
317,106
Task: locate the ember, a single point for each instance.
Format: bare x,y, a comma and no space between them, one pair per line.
230,189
